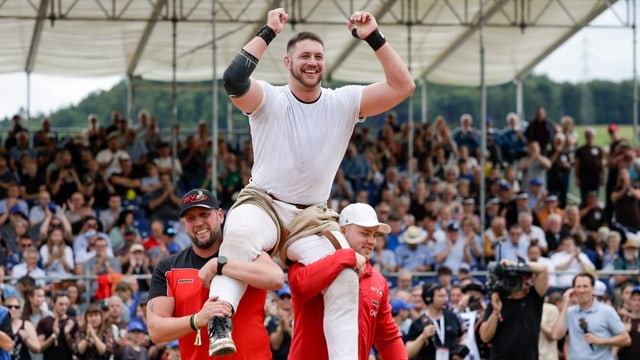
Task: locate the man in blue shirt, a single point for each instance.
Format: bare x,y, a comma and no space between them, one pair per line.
515,246
594,327
412,254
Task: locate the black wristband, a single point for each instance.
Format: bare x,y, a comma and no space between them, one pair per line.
267,34
192,323
375,40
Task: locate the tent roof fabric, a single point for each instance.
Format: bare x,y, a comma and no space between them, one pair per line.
438,39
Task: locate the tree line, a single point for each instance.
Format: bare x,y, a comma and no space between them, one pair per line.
593,102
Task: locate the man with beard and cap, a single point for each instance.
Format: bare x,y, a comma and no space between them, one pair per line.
179,305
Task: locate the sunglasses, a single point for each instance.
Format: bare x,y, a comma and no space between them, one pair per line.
13,307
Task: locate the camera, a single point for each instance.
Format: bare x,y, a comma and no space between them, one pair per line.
505,279
51,206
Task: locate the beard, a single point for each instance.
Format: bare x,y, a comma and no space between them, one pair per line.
205,245
630,257
299,75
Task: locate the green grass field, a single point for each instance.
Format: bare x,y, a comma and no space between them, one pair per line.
603,140
602,136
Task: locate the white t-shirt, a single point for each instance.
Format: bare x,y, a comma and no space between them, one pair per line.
560,258
112,159
536,233
298,146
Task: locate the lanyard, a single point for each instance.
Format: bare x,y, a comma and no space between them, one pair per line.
440,329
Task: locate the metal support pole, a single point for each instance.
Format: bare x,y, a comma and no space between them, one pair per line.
410,169
424,106
635,77
174,95
130,106
519,100
483,121
214,101
229,136
29,101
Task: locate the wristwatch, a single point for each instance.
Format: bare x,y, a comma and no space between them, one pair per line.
222,261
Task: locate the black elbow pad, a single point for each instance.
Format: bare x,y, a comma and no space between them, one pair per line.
236,77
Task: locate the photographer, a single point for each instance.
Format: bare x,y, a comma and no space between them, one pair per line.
512,320
437,333
594,327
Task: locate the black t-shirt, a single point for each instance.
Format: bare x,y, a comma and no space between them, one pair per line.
594,219
517,333
61,349
452,331
631,352
626,209
590,158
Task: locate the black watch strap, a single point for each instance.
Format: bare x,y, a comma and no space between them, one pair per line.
222,261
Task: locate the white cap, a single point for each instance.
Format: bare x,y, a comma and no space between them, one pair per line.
599,289
363,215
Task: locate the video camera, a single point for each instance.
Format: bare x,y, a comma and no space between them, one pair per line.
505,279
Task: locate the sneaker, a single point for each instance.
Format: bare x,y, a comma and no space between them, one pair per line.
220,341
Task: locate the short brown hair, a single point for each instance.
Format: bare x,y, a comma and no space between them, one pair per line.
304,35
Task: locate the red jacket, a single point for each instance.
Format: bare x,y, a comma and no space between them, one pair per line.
374,315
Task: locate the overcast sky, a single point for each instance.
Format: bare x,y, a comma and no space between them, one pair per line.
593,53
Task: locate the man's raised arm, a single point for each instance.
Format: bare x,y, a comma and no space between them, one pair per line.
398,85
244,92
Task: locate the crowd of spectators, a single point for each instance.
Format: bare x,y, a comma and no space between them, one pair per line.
103,204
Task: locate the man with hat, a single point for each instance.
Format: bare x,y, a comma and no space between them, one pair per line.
280,326
520,205
537,194
629,261
138,263
412,253
493,205
179,306
400,310
136,333
359,224
550,207
166,248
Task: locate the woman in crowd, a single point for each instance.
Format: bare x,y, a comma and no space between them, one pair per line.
122,225
25,337
56,256
77,306
94,341
472,239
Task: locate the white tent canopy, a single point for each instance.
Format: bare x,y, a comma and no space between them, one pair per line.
438,39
